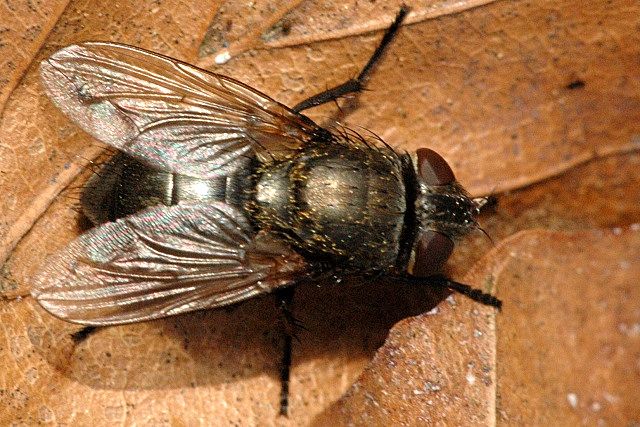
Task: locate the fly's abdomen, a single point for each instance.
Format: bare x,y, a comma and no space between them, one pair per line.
339,203
125,186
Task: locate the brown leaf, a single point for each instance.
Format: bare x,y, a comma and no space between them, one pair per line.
511,93
567,343
437,368
25,25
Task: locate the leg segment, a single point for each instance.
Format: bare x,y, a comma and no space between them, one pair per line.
357,84
466,290
83,334
284,299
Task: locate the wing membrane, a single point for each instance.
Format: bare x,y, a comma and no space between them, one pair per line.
166,113
161,262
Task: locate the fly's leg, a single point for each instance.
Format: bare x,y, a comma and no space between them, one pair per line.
466,290
357,84
83,334
290,324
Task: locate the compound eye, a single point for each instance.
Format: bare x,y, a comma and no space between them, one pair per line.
433,169
431,252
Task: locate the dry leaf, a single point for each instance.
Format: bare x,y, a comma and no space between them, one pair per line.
570,338
567,343
511,93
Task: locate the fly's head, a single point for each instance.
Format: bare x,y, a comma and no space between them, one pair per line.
444,212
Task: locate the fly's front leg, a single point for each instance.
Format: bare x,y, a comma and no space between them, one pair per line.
357,84
440,281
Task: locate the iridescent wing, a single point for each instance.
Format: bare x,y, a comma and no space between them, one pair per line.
160,262
166,113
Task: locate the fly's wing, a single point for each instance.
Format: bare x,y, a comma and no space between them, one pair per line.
161,262
166,113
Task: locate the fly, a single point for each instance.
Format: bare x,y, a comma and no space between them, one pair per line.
220,193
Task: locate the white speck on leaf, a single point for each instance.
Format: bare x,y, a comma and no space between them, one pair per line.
223,57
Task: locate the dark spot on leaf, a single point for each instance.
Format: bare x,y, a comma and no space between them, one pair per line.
576,84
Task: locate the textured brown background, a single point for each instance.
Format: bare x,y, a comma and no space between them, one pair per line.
488,85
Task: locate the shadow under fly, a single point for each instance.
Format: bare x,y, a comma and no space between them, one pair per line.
220,193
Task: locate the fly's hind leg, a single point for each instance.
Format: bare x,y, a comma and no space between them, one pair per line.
357,84
284,299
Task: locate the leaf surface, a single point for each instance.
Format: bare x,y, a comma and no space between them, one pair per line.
537,101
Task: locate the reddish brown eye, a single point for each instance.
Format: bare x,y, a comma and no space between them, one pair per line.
433,169
432,251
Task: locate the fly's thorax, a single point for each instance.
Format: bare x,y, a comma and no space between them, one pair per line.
336,201
444,212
